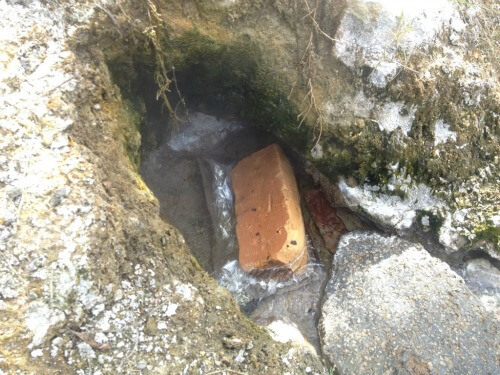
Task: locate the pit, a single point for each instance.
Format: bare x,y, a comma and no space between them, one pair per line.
222,107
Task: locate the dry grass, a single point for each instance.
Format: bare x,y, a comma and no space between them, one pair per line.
154,35
487,22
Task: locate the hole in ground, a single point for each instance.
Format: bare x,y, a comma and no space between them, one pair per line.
172,159
173,174
176,180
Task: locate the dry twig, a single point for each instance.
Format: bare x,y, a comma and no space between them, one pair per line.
86,339
307,61
312,15
153,33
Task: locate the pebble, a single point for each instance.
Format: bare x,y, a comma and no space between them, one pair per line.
36,353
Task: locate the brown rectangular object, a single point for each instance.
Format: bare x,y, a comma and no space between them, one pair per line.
325,217
269,223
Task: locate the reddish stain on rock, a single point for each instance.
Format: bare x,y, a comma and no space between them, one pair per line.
327,221
269,223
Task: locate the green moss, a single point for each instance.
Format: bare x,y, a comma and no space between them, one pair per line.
196,264
338,162
489,232
232,77
132,118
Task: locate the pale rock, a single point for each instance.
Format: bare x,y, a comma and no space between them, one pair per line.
371,31
389,304
389,210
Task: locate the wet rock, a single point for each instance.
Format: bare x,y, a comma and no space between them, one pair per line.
325,217
387,210
269,223
283,331
391,305
352,221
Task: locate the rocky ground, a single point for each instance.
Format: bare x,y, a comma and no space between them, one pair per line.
93,281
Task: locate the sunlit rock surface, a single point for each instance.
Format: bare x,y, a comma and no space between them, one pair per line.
371,32
389,304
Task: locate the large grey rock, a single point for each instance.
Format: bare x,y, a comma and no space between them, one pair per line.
390,306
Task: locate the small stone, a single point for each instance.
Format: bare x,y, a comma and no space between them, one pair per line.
351,182
360,123
317,151
151,327
240,357
59,196
326,219
425,221
226,361
55,102
254,361
233,343
47,139
118,295
164,240
171,309
36,353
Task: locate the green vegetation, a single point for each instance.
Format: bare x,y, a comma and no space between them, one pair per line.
133,119
487,231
